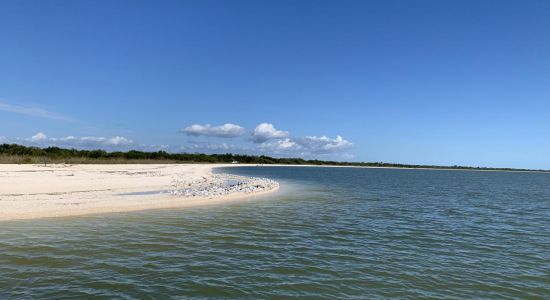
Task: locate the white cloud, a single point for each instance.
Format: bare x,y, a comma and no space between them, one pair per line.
325,144
64,139
309,147
223,131
3,139
265,132
32,111
39,137
85,142
118,140
280,146
287,144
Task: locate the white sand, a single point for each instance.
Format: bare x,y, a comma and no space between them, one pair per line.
36,191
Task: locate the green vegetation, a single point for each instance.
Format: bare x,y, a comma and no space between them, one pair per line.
18,154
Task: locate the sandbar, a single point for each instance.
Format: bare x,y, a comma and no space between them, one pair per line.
59,190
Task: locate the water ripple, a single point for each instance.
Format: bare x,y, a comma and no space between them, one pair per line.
329,233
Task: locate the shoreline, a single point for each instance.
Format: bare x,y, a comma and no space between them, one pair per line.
396,168
60,190
37,191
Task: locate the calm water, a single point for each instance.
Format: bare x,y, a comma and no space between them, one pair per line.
329,233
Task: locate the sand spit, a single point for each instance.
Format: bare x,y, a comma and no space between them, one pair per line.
36,191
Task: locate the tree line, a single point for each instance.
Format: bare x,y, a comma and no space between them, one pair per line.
14,153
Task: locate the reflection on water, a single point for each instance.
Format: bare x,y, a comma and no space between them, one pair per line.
328,233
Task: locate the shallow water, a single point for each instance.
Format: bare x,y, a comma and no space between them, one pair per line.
328,233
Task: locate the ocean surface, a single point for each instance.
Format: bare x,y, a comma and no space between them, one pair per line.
329,233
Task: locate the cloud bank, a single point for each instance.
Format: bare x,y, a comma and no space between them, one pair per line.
309,147
325,144
223,131
265,139
85,142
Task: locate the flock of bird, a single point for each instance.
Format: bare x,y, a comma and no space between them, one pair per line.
220,184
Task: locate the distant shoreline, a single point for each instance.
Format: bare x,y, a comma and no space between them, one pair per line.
397,168
18,154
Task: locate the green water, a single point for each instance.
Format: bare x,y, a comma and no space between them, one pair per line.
329,233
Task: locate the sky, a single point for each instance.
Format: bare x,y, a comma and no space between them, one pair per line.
418,82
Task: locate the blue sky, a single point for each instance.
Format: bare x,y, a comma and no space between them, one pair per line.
422,82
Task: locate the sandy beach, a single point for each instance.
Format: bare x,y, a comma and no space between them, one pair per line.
36,191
